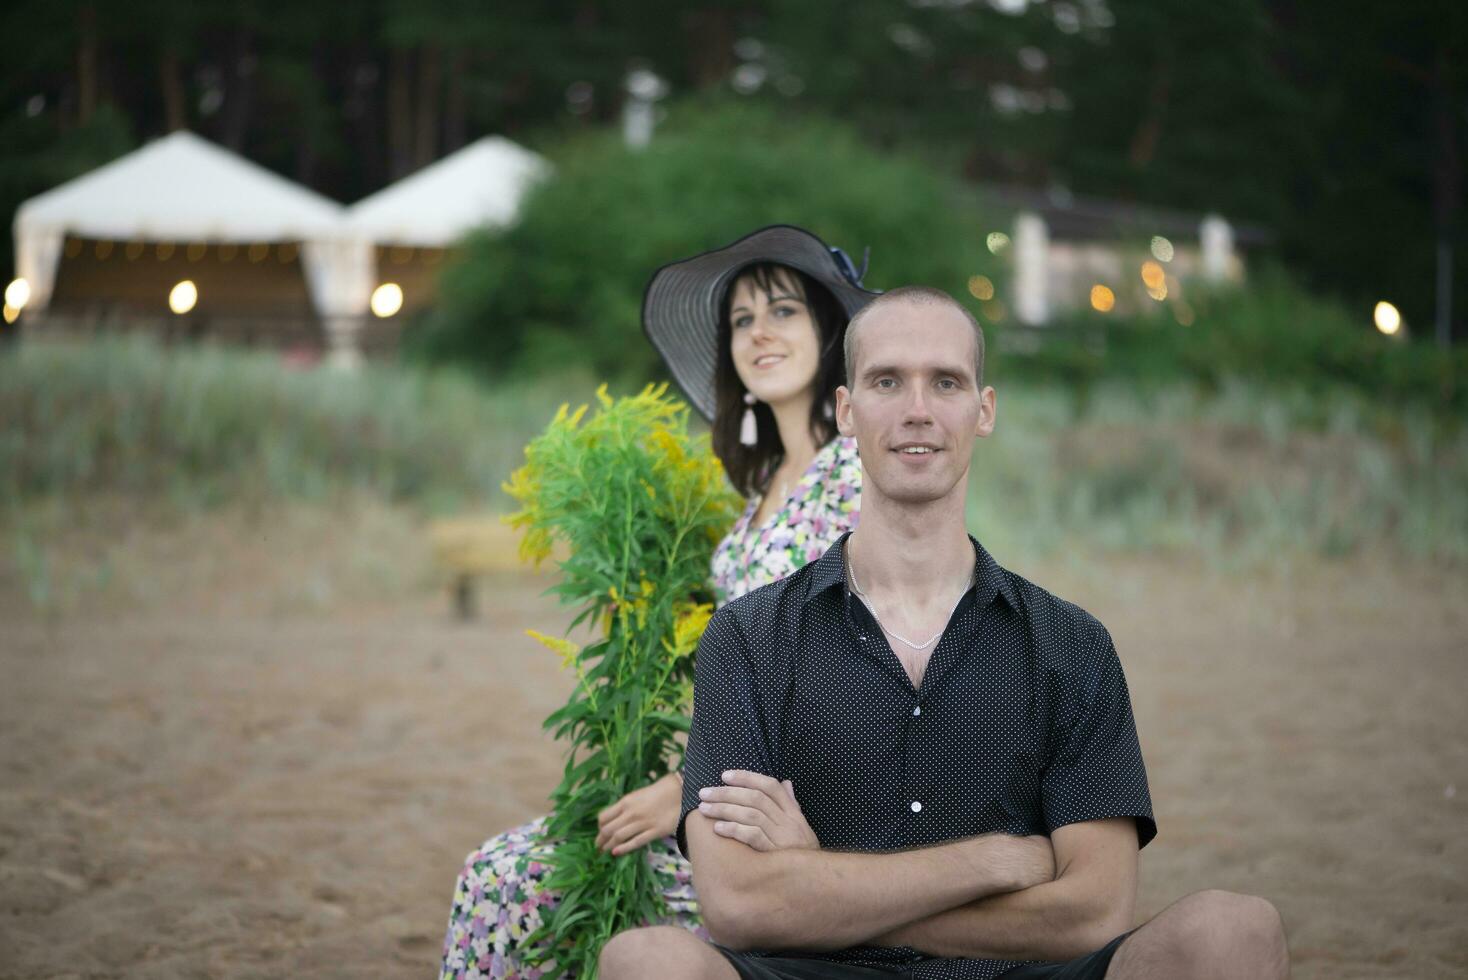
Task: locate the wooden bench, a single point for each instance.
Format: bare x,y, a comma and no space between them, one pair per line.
465,548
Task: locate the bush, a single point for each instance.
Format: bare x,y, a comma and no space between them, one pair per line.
564,286
1270,331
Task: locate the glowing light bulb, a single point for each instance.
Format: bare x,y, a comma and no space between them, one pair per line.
1387,317
387,299
17,294
183,296
1153,275
981,287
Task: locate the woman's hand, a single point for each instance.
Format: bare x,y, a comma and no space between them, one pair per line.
641,817
757,810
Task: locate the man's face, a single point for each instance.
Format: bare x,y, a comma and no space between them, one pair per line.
913,402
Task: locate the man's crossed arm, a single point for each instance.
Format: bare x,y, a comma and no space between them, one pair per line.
764,884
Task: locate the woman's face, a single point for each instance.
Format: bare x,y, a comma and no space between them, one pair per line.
773,340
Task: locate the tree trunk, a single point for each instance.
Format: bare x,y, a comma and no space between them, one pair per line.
308,148
1149,131
1446,189
175,112
86,63
366,122
239,90
400,113
430,84
709,33
455,121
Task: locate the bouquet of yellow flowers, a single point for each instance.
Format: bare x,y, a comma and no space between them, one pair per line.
640,505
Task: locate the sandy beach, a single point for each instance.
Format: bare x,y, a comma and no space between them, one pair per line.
262,747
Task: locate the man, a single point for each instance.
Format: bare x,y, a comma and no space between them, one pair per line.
971,792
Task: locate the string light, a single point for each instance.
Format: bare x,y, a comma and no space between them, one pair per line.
1102,298
997,241
1161,249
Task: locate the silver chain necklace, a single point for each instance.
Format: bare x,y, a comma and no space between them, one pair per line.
902,639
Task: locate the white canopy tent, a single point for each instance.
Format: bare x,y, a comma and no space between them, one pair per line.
479,185
180,188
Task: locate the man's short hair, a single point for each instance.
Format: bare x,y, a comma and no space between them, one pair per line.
918,296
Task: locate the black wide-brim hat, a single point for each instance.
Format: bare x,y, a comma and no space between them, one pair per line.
681,307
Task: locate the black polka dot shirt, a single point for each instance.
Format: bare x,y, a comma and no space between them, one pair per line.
1022,722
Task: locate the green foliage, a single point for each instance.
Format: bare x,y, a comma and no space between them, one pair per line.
37,159
564,286
1270,331
640,506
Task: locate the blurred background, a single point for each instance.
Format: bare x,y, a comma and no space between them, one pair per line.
291,285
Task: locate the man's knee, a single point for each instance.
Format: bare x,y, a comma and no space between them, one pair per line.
1209,934
1219,927
656,951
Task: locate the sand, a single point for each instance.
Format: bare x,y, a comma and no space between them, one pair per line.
261,746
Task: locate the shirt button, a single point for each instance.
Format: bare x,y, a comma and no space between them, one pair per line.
916,806
917,710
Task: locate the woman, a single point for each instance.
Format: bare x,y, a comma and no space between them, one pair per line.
753,334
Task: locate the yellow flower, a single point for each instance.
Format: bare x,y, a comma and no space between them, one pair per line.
688,626
563,648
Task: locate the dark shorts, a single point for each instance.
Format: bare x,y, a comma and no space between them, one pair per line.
1092,966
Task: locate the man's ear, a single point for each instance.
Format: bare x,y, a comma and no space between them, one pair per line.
843,411
988,410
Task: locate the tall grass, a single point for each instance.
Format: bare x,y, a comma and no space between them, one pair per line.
1237,475
1237,471
200,426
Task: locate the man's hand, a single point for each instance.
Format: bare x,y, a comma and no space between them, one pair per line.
1029,860
641,817
757,810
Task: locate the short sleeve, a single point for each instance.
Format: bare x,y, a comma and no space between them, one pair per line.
1096,771
728,729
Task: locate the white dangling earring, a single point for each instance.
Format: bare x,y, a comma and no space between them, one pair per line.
748,429
828,411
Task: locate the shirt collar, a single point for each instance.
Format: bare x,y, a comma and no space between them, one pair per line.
990,580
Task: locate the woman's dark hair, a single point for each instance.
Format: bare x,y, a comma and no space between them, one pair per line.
750,467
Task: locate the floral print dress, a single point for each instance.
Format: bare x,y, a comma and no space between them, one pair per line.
499,894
